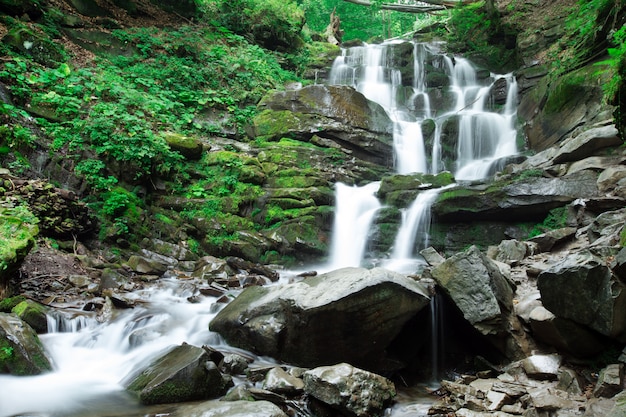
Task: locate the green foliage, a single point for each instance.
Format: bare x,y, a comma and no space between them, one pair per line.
275,24
529,173
616,64
6,352
472,29
588,26
359,22
556,219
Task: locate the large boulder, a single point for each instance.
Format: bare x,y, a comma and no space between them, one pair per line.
478,288
21,352
349,389
185,373
18,230
483,293
351,314
339,113
581,288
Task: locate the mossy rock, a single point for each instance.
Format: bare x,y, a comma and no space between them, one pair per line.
7,304
20,7
185,373
21,351
304,237
401,190
185,8
18,230
89,8
129,5
190,147
40,48
34,314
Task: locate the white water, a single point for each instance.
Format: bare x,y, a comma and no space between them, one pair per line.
486,135
91,363
352,223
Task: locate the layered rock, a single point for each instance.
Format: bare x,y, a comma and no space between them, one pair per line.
351,314
340,114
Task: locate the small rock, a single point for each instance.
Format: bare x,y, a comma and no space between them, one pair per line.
610,381
542,367
277,380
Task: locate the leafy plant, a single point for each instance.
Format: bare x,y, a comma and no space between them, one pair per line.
556,219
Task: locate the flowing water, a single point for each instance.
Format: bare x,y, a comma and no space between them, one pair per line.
469,134
92,359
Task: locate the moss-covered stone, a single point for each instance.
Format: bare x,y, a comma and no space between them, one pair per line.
39,47
18,230
185,373
21,351
34,314
190,147
7,304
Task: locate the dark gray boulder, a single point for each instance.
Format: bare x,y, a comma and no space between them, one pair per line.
477,287
185,373
581,288
351,314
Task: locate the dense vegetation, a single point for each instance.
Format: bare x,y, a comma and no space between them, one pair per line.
110,118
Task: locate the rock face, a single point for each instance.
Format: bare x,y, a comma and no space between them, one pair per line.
21,352
348,314
340,114
581,288
477,287
483,294
183,374
350,389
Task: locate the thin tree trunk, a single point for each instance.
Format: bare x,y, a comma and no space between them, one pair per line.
431,6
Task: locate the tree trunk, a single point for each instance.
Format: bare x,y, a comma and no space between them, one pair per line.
431,6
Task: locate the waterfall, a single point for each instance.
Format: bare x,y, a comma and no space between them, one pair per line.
472,130
437,336
355,208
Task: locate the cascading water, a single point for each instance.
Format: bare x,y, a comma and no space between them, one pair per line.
92,359
352,223
469,134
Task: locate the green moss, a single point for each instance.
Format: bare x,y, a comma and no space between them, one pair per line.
622,239
18,230
569,88
7,304
556,219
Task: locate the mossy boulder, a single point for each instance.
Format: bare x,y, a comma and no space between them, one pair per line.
18,230
34,314
185,373
41,48
189,147
185,8
556,107
89,8
20,7
21,351
338,113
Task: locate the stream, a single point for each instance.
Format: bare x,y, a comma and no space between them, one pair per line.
92,358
